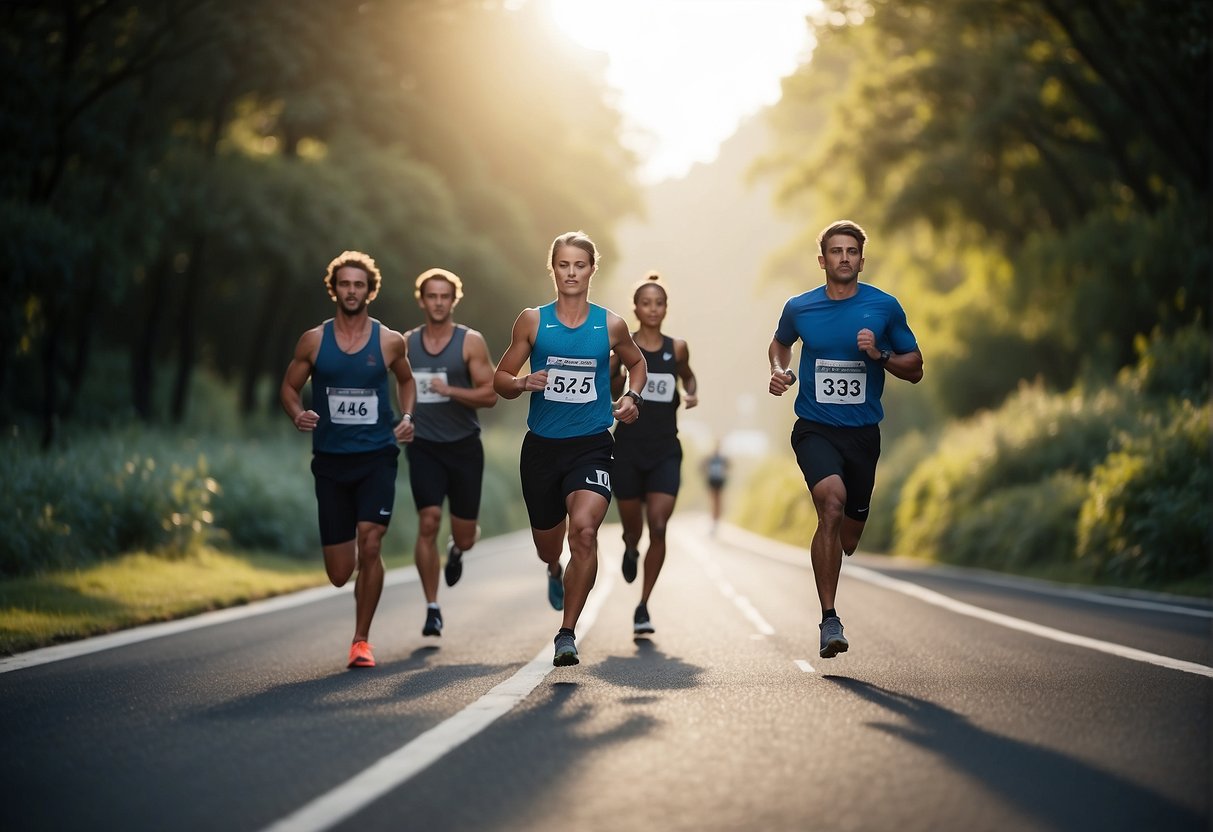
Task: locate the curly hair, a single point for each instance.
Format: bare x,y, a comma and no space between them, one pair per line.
357,260
442,274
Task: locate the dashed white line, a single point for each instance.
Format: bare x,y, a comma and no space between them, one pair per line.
726,589
805,666
415,756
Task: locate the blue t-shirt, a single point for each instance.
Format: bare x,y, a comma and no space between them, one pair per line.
577,399
839,384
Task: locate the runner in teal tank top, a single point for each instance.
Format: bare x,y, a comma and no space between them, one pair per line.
565,462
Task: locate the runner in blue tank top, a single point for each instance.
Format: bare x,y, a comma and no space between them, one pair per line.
565,463
851,334
648,455
354,432
446,459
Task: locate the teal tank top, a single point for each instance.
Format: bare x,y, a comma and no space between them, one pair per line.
577,399
350,392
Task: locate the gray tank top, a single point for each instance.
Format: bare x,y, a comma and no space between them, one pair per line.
439,418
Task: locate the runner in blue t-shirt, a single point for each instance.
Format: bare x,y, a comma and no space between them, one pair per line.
349,359
565,464
851,334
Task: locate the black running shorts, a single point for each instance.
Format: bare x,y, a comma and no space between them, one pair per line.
552,469
447,471
851,453
353,488
647,467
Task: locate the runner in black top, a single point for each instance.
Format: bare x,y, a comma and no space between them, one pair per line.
648,455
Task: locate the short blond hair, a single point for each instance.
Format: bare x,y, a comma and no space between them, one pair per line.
357,260
441,274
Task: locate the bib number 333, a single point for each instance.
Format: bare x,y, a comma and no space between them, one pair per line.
840,382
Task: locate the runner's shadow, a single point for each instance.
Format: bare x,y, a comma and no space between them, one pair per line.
389,683
1053,787
648,669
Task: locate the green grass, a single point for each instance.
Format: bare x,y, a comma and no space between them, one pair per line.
139,589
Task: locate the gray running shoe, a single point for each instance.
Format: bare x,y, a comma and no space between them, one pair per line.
631,557
833,641
433,622
556,590
454,563
641,625
566,650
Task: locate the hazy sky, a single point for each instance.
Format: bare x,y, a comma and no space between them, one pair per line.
687,71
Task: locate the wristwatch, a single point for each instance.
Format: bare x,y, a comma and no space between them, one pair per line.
885,355
636,397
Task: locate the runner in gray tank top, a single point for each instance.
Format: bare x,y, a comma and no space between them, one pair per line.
446,459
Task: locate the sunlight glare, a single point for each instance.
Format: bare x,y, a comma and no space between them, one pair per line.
688,71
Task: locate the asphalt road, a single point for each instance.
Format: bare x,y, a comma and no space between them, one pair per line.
967,701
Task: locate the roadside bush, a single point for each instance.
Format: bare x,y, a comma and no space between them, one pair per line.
896,465
1017,528
1023,443
1147,517
776,503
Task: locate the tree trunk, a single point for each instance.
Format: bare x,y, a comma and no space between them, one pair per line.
143,348
262,341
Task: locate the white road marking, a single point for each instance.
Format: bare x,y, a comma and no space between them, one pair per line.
790,554
122,638
805,666
415,756
726,589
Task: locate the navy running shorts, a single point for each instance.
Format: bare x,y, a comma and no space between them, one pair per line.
353,488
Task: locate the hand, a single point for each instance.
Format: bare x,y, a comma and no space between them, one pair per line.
866,341
534,382
626,410
689,400
306,421
780,382
404,430
439,387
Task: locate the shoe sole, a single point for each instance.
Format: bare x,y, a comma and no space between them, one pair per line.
643,629
834,647
453,575
565,660
431,632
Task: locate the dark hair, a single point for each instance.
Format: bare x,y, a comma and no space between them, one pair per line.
357,260
650,279
845,227
577,239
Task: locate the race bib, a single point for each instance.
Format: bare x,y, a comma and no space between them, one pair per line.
571,380
840,382
659,388
425,395
353,406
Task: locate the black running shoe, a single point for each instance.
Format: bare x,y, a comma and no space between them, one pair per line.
641,625
433,622
454,563
631,557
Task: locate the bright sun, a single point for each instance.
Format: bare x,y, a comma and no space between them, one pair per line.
688,71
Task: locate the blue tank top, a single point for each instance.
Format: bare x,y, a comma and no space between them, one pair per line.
441,418
350,392
577,399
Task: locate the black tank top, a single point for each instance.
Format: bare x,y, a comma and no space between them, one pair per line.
658,416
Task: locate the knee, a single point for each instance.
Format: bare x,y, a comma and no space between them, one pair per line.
829,509
583,540
657,530
369,546
428,523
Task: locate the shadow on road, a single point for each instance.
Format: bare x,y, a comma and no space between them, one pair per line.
1060,791
648,669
